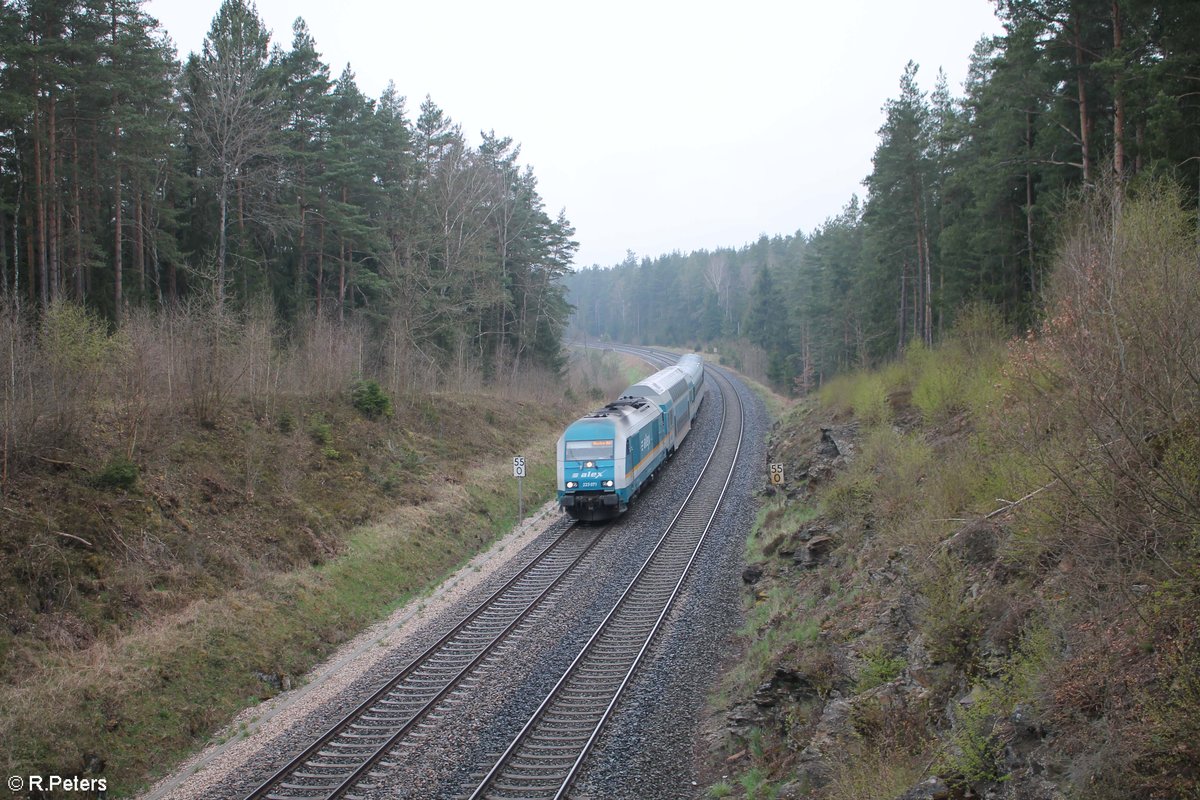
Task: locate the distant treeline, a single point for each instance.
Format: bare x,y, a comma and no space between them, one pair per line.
247,174
962,203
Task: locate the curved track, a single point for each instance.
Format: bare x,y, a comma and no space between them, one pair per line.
349,750
544,758
547,754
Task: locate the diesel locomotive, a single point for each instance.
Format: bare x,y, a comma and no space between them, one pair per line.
606,457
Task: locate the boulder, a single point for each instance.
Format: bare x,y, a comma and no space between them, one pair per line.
742,719
828,447
752,574
928,789
814,551
978,542
784,685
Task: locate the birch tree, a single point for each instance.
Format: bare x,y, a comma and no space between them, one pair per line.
232,110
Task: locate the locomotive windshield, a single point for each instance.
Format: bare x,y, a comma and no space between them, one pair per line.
589,450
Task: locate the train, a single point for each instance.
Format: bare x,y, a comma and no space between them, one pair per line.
607,457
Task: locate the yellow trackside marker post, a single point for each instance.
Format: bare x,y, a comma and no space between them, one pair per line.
776,473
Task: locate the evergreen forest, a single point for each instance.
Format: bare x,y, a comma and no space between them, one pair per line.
962,205
249,176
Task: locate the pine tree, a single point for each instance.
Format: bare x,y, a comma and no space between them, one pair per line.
307,105
897,212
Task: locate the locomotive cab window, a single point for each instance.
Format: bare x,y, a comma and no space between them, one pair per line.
589,450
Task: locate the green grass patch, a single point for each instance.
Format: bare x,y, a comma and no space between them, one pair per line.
719,790
878,668
756,785
778,518
874,772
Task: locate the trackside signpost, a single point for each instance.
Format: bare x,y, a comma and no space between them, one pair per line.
519,474
776,473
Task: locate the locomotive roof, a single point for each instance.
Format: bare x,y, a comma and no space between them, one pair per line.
664,385
619,407
615,418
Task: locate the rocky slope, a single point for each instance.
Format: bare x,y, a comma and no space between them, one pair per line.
911,639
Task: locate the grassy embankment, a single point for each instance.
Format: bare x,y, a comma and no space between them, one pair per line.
1008,596
165,568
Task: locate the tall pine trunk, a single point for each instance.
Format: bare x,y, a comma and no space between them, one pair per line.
77,210
118,252
4,290
1118,99
139,249
1084,120
321,267
301,268
342,273
1029,203
928,292
55,227
40,203
31,279
118,249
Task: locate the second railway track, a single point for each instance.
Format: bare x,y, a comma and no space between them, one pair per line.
545,757
349,750
348,759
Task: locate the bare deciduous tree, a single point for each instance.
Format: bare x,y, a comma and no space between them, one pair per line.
231,110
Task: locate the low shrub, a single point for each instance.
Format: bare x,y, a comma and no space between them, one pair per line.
848,499
950,623
320,431
879,668
974,751
370,400
118,473
875,772
940,391
869,399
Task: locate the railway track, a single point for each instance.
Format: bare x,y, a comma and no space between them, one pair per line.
343,761
546,756
352,748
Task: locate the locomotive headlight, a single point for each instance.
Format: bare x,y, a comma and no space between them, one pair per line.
571,484
590,464
609,484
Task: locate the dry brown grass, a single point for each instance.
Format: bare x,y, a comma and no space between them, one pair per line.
149,637
246,471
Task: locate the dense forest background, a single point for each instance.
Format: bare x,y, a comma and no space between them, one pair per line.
248,177
962,205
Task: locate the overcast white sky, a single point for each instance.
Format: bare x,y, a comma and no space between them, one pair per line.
658,126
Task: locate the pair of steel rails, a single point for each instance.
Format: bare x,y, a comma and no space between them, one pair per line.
547,754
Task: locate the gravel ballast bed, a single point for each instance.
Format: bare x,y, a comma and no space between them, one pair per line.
648,748
467,740
265,734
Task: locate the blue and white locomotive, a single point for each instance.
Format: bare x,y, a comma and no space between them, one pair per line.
608,456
